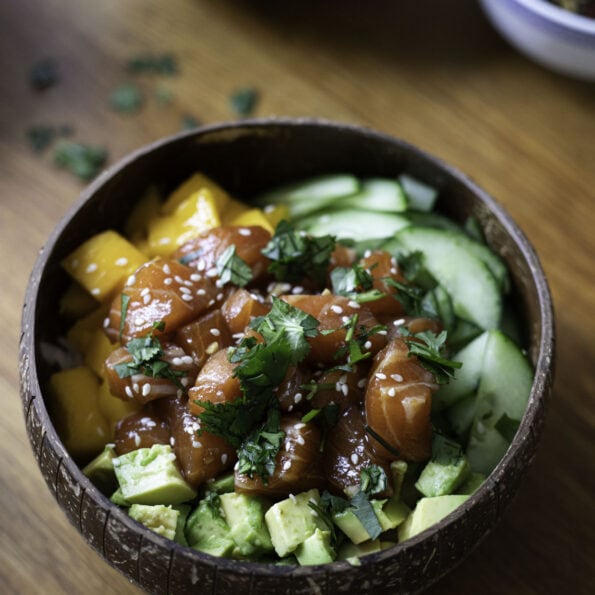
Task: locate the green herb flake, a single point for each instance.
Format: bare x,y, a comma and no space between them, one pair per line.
365,513
232,269
189,122
84,161
124,300
373,480
161,64
243,101
40,137
127,98
507,427
44,74
163,95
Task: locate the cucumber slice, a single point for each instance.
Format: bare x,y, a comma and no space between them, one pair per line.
460,416
474,290
420,196
308,196
467,378
422,219
377,194
462,334
504,388
354,224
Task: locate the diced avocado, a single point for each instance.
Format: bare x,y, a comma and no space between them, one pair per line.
446,471
245,516
207,531
159,518
390,514
184,510
150,476
316,549
118,499
471,484
428,512
222,484
398,470
291,521
349,551
101,470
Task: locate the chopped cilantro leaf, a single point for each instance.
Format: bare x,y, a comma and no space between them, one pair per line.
428,347
124,300
44,74
410,296
84,161
163,64
126,98
313,387
40,137
365,513
232,269
243,101
355,283
213,503
373,480
295,256
189,122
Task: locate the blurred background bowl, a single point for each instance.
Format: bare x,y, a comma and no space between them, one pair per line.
246,158
556,38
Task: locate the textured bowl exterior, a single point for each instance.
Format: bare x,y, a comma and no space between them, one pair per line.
247,157
554,37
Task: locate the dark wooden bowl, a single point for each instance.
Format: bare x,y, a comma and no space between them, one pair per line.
247,157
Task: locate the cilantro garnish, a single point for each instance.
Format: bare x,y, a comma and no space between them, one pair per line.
355,283
126,98
164,64
84,161
232,269
189,122
295,255
243,101
428,347
40,137
124,300
44,74
146,353
355,341
373,480
365,513
257,454
410,296
507,427
313,387
213,503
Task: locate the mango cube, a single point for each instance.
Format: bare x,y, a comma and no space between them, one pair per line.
81,332
276,213
98,348
146,209
79,422
193,216
76,302
253,217
103,263
191,186
233,209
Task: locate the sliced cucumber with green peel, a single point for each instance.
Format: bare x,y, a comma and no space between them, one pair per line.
473,288
354,224
376,194
308,196
420,196
422,219
460,416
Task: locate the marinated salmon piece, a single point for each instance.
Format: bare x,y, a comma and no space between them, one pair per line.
340,388
241,307
161,290
334,312
215,383
290,393
297,465
342,256
347,452
141,430
381,265
204,336
414,325
142,387
201,456
203,252
398,403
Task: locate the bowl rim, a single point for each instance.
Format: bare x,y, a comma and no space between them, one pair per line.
561,16
31,386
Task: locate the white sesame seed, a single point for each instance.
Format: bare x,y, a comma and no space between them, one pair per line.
367,253
393,271
136,387
285,467
212,348
136,440
211,302
219,283
146,299
392,391
186,360
139,321
215,332
354,458
297,289
145,291
195,277
106,322
91,268
338,387
131,280
201,291
176,361
95,291
128,392
244,232
337,309
185,290
184,382
345,389
212,272
168,281
219,296
368,345
290,408
383,332
380,376
292,498
224,458
397,377
201,265
300,440
353,304
345,319
361,383
121,262
146,389
299,425
186,297
297,398
399,321
165,241
178,279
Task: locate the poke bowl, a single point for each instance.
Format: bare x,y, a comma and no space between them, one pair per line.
257,162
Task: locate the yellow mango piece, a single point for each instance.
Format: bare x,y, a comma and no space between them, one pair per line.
233,209
98,348
81,332
76,302
146,208
276,213
195,215
253,217
103,263
82,428
113,408
192,185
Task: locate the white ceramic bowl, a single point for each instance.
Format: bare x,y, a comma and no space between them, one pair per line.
554,37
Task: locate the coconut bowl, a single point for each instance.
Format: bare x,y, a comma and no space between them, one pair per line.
248,157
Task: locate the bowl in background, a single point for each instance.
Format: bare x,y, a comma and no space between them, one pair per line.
246,158
553,36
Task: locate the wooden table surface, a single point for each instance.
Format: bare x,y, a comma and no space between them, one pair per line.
433,73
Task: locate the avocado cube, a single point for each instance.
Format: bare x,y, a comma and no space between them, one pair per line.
428,512
150,476
101,470
184,510
222,484
316,549
398,470
207,531
245,516
159,518
118,499
292,521
471,484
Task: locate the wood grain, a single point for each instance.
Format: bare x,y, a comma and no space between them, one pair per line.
432,73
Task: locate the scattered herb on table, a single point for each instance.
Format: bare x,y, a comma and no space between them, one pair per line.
189,122
44,74
40,137
127,98
84,161
164,64
163,95
243,101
